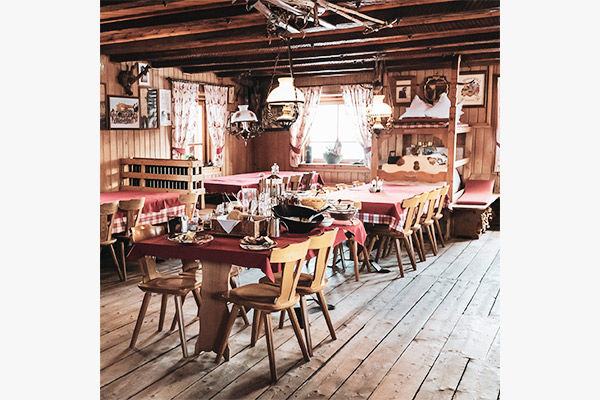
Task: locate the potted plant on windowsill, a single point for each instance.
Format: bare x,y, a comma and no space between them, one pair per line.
333,155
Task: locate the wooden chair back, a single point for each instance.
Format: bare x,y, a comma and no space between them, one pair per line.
148,263
190,200
286,182
107,218
262,185
357,183
295,182
134,210
441,199
292,257
411,204
420,208
432,196
306,181
322,244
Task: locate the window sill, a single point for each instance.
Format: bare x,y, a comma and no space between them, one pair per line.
325,166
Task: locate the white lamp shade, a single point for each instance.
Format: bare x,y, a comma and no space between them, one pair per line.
285,93
243,115
379,108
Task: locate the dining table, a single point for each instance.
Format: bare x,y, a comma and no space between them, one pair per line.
217,256
158,207
384,207
237,182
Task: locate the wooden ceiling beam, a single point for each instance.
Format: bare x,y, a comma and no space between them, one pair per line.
315,65
115,11
373,50
333,41
253,19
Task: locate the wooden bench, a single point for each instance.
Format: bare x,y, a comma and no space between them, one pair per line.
472,211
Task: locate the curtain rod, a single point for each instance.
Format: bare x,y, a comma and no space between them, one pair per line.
338,84
198,82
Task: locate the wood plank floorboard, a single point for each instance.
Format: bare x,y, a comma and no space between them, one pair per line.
433,334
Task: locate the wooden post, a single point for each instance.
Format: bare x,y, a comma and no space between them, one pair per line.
374,156
451,141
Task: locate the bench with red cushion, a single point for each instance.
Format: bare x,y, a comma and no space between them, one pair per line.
478,192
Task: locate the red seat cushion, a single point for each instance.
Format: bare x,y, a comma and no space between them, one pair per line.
477,192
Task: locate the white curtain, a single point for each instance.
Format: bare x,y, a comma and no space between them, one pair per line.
356,100
300,130
216,119
185,116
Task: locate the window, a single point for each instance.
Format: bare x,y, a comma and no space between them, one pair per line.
331,122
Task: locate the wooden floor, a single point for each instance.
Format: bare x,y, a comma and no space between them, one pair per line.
433,334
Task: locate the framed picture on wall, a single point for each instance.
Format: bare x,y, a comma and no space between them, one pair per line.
403,89
164,105
124,112
103,121
472,89
144,79
148,108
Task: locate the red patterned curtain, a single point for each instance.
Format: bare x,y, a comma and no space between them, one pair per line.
216,119
300,130
185,116
356,99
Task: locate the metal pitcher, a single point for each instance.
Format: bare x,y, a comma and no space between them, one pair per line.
274,229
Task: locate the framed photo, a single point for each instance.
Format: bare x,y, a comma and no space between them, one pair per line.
124,112
231,94
148,108
164,104
103,120
144,79
403,88
472,88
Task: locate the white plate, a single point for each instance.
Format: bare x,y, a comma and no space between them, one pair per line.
257,247
327,222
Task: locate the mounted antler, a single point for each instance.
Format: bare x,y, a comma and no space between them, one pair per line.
126,77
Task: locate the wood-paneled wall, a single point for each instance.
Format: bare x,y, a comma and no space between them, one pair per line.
479,144
154,143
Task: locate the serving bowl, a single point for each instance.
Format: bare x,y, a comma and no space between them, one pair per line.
296,218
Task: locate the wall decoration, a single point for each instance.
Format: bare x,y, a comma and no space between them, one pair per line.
165,107
148,108
103,121
124,112
145,78
472,89
231,94
433,88
403,88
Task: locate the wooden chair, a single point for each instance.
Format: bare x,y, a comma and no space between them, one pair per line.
427,220
382,231
153,282
306,181
310,284
438,214
262,185
266,298
295,182
416,224
190,200
133,208
107,218
286,182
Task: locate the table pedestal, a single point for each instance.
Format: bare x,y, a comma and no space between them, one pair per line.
213,312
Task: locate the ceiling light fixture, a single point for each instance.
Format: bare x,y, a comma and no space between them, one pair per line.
283,102
243,124
379,114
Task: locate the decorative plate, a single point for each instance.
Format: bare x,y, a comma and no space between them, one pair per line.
198,239
258,247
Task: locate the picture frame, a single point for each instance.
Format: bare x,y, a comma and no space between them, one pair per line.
164,105
472,89
148,108
124,112
433,87
403,89
230,94
103,114
144,79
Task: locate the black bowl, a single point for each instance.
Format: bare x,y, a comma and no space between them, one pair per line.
284,212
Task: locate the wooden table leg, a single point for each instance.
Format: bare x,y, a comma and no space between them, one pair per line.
214,312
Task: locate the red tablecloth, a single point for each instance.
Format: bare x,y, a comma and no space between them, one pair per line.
226,249
157,209
384,207
235,183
